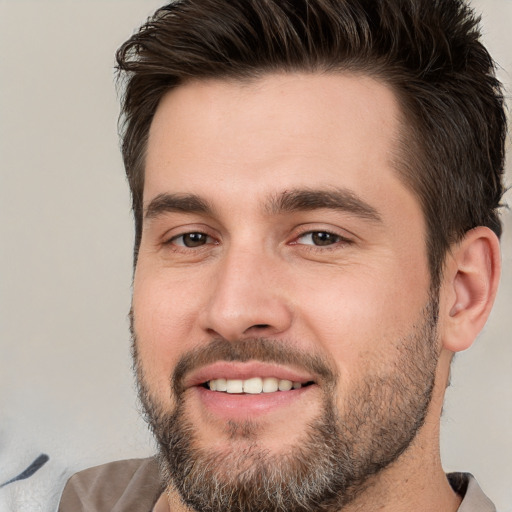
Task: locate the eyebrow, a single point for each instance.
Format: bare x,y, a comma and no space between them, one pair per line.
289,201
169,203
343,200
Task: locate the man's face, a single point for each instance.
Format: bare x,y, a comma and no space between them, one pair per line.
280,248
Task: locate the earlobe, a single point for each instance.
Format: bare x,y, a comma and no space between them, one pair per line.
470,283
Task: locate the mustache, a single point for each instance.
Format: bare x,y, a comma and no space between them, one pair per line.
261,349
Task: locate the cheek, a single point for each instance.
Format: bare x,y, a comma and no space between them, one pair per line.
359,316
164,325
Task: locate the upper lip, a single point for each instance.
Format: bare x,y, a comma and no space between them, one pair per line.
243,371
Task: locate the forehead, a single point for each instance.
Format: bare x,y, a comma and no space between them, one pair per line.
278,132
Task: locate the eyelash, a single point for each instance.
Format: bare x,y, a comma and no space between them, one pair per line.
173,239
340,240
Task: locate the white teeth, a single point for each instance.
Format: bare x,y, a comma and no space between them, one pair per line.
253,386
235,386
270,385
285,385
221,385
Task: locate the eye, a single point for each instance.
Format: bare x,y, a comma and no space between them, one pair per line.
320,238
191,240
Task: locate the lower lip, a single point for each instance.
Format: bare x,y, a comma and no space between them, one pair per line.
232,406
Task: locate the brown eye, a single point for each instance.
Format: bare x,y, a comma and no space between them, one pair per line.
319,238
323,238
191,240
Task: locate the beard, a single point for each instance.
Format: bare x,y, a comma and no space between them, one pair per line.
338,453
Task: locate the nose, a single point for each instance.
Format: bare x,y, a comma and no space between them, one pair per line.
247,297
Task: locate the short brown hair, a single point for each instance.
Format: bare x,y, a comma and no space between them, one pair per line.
428,51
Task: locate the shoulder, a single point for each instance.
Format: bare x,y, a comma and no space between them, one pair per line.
473,498
119,485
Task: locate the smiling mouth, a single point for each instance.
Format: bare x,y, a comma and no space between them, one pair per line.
254,385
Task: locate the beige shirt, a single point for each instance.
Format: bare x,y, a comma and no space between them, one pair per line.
134,485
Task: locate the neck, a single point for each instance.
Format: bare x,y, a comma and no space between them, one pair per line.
414,482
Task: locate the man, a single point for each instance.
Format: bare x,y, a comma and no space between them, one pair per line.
315,187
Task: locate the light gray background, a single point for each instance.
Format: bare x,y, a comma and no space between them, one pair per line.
66,241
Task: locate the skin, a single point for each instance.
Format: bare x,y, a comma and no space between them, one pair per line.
259,272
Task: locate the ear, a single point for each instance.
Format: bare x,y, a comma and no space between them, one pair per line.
470,282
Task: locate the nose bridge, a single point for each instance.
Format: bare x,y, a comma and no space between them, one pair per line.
246,297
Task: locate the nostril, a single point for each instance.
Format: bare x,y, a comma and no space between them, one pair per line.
254,329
